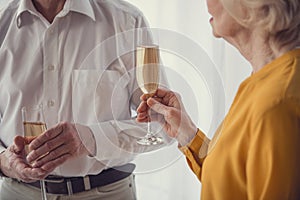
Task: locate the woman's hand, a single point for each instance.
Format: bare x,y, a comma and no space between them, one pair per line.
167,104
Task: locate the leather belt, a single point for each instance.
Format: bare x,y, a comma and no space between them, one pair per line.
72,185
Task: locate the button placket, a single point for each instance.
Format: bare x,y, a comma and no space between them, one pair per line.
50,81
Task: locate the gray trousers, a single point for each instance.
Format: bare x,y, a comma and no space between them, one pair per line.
120,190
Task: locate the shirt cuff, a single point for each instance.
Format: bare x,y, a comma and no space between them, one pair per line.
107,142
87,138
184,139
1,173
197,145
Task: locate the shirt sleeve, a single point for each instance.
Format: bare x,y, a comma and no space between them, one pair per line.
196,152
115,140
273,163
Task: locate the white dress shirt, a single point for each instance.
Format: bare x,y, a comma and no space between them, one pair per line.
81,68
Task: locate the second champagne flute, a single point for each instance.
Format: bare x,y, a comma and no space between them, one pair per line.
147,75
34,125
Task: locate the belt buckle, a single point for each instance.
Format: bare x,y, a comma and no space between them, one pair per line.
87,183
69,187
61,180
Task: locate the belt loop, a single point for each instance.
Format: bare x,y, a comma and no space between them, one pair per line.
87,183
69,187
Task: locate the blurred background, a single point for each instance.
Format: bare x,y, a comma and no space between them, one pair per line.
195,64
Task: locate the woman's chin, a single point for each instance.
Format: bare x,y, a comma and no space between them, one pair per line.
216,35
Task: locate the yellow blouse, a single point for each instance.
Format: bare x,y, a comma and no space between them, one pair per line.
255,154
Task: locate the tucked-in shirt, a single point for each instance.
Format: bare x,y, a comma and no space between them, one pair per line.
81,68
255,152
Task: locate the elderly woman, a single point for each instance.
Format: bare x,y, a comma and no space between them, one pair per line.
255,152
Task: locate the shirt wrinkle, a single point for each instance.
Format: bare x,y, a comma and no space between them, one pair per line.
69,70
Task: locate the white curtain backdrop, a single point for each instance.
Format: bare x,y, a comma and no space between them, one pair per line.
164,174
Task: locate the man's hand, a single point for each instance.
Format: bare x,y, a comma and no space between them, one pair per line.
55,146
14,164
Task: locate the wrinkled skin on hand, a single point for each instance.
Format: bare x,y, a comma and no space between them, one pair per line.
15,165
47,151
55,146
168,106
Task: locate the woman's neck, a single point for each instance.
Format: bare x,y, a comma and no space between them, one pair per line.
256,48
49,8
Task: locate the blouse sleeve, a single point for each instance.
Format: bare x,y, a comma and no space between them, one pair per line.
196,151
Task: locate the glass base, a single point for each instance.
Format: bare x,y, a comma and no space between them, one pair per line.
150,140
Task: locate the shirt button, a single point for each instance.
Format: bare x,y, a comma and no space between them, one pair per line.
51,31
51,103
50,67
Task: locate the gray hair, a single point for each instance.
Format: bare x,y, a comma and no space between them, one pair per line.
278,19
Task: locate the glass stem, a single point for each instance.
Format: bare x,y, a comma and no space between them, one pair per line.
149,133
43,190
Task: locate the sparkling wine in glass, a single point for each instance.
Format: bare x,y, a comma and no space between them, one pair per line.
34,125
147,75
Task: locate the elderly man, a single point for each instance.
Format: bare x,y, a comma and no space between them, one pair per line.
76,59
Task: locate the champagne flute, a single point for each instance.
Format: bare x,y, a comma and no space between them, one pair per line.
34,125
147,75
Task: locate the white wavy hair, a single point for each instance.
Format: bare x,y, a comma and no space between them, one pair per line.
278,19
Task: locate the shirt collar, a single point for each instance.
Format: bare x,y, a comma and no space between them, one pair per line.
83,7
80,6
25,5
